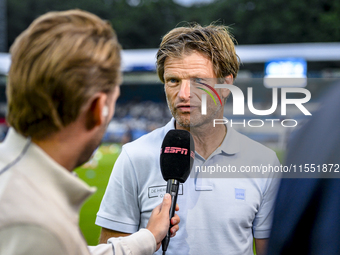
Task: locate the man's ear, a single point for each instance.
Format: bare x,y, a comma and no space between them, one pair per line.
227,80
97,111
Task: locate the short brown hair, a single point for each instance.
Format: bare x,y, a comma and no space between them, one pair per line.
214,41
58,63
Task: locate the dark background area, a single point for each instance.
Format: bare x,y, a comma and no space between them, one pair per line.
142,23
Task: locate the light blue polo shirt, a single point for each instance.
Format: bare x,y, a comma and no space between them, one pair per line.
218,215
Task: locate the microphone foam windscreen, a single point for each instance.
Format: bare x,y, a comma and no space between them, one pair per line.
177,155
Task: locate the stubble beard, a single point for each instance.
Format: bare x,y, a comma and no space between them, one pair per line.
192,122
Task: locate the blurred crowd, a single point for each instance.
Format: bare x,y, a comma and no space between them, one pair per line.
132,120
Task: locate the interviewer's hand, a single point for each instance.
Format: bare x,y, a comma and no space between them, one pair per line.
159,221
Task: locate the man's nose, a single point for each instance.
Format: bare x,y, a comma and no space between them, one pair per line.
184,92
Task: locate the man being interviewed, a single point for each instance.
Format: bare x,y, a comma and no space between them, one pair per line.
63,85
218,215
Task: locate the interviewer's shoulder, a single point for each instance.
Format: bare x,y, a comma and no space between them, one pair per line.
40,240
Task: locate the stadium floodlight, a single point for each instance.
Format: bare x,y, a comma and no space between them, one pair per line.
285,72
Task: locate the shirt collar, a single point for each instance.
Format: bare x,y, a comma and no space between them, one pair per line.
230,144
46,173
169,126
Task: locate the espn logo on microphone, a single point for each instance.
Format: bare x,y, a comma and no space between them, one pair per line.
178,150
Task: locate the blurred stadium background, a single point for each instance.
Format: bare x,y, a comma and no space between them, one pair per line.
265,31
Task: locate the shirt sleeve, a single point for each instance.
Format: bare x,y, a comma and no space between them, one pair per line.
34,240
119,209
139,243
264,217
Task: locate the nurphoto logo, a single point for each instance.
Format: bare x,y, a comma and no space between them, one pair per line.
239,103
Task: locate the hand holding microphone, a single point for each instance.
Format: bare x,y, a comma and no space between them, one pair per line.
159,222
177,158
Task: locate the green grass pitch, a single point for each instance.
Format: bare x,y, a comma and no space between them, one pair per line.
96,173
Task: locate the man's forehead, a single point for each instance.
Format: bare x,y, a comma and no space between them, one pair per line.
185,55
189,66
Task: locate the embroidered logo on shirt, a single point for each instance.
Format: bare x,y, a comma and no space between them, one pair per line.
159,191
240,194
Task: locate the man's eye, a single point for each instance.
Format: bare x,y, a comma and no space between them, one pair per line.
198,81
172,82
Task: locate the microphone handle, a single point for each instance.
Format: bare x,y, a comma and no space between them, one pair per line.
171,188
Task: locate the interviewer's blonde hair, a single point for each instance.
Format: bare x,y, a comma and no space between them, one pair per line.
214,41
58,63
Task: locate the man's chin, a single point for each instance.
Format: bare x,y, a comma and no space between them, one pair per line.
187,120
183,122
193,122
184,125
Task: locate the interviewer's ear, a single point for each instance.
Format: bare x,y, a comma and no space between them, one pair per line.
97,111
227,80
